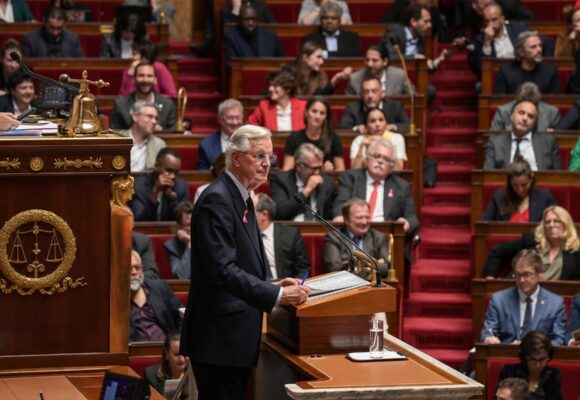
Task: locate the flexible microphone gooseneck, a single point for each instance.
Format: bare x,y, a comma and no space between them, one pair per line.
16,57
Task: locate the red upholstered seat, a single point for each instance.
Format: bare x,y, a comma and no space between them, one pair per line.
161,256
139,364
182,297
189,157
315,248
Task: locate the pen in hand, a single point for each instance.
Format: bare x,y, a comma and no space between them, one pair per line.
304,277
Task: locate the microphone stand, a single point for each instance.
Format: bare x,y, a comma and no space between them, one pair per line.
16,57
412,129
359,253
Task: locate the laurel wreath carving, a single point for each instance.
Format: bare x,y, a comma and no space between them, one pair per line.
77,163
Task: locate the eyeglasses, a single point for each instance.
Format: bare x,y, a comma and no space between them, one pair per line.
312,168
378,157
524,276
538,360
261,157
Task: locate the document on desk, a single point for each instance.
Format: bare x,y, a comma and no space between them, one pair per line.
36,129
334,283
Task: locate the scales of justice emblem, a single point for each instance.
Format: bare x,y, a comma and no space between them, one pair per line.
37,251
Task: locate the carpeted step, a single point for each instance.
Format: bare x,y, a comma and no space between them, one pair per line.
445,216
451,357
464,99
454,174
438,305
444,243
453,154
453,118
454,82
195,66
440,276
437,333
179,49
444,195
451,136
200,83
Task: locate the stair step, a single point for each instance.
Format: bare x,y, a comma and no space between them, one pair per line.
454,119
453,154
439,305
447,196
200,83
453,358
451,333
454,174
445,243
441,276
457,99
445,216
455,82
194,66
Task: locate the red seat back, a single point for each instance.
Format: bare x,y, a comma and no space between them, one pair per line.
140,363
315,248
161,256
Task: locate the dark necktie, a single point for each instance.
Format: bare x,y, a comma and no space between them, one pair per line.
527,325
517,153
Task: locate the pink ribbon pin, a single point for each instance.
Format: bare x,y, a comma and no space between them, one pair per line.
390,194
245,218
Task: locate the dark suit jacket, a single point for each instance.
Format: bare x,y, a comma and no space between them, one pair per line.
503,253
229,292
6,104
549,387
511,76
142,244
209,149
290,252
179,258
236,44
396,33
151,378
503,316
352,183
142,206
283,187
574,319
540,199
165,305
349,44
395,14
355,114
548,117
121,116
570,121
498,151
34,44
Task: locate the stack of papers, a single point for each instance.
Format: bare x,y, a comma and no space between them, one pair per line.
334,283
37,129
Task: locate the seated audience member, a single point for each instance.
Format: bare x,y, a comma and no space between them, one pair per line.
410,35
154,308
521,200
158,192
147,51
372,96
568,42
571,120
145,81
556,240
376,127
20,94
218,166
8,65
395,13
143,245
573,322
231,11
145,144
171,366
512,389
515,311
74,12
247,40
230,118
527,67
336,42
163,11
52,39
547,118
393,80
307,180
389,195
15,11
310,78
535,353
178,248
129,29
8,121
575,157
283,244
281,111
319,131
539,149
357,227
310,12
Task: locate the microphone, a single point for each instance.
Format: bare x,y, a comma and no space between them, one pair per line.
395,43
16,57
343,238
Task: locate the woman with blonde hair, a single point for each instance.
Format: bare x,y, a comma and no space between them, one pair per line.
556,240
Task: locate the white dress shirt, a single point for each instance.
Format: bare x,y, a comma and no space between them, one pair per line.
139,156
268,240
526,150
284,118
523,297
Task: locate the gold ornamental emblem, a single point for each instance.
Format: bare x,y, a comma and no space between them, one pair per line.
37,251
36,164
119,162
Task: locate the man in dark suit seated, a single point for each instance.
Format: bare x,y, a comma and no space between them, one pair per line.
528,67
357,227
20,94
158,192
411,35
512,389
283,244
145,81
143,246
514,312
335,41
308,181
539,149
52,39
230,118
371,96
389,195
178,248
248,41
154,308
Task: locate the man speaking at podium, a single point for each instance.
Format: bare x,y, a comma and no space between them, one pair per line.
230,273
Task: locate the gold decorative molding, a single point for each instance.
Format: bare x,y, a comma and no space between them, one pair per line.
36,164
10,163
119,162
77,163
122,190
36,260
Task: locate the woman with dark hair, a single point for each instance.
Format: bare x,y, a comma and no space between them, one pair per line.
535,353
520,200
376,128
171,366
129,28
281,111
310,78
147,51
319,132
